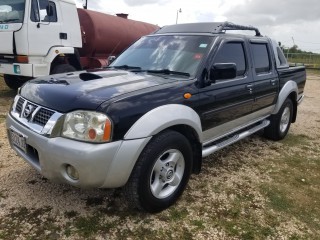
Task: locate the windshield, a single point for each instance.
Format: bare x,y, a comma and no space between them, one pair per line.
11,11
166,54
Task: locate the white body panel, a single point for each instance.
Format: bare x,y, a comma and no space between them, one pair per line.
6,37
40,40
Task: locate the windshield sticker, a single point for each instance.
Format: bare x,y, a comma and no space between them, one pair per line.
198,56
203,45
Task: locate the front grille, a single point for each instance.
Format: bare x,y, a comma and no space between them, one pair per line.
42,116
33,113
19,105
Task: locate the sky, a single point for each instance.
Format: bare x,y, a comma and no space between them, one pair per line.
288,21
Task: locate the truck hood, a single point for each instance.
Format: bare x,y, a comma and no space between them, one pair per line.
86,90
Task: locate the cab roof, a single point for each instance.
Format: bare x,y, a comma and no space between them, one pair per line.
205,27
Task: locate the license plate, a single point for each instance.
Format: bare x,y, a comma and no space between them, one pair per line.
18,140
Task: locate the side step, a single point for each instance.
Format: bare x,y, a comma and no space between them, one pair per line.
226,141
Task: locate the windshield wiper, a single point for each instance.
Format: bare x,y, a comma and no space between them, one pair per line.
126,67
168,72
9,20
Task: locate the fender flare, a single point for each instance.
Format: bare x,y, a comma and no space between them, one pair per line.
289,87
163,117
55,51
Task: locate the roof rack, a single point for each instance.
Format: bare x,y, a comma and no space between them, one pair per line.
205,27
230,26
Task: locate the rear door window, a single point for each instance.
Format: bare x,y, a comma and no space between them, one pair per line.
261,57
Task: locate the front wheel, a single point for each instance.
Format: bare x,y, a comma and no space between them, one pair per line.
161,173
14,82
280,122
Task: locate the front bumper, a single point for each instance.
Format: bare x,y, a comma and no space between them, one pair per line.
24,69
106,165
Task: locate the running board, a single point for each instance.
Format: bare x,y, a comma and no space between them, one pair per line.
226,141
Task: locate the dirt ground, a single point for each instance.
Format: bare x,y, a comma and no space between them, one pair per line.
255,189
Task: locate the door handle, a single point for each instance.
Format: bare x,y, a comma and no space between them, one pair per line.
273,82
250,87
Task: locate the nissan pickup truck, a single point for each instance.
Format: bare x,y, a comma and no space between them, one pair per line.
145,122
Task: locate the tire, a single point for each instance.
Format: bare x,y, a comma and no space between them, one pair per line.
280,122
14,82
63,68
161,173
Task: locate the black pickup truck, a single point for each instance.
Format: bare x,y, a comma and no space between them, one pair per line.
145,122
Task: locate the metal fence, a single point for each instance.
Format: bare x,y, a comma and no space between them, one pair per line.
310,60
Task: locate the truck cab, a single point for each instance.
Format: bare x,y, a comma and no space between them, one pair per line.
33,33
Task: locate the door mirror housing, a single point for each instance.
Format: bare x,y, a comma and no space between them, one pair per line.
111,59
221,71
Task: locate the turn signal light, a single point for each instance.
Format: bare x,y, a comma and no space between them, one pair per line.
107,130
22,59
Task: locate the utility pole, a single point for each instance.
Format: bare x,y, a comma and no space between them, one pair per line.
85,6
178,11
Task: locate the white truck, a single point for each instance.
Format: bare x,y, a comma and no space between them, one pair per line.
42,37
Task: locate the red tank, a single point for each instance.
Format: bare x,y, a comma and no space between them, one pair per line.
104,35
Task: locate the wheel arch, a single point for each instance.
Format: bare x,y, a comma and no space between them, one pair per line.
179,118
289,90
61,55
165,117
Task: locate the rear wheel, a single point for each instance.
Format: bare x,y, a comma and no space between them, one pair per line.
161,173
14,82
280,122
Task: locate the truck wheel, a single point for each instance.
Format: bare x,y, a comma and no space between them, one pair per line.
280,122
161,173
63,68
14,82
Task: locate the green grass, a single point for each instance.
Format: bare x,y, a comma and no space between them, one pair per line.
292,140
295,188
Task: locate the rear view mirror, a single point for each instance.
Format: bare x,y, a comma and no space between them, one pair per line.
111,59
221,71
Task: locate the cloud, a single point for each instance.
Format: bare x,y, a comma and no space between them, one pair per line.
274,12
144,2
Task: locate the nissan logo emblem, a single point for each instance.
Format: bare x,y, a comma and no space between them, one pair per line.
28,111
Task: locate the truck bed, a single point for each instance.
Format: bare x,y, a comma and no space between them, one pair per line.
297,74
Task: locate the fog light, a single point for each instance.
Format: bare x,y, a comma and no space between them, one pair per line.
72,172
16,69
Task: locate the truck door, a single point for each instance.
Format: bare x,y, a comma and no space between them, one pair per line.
225,103
266,83
43,30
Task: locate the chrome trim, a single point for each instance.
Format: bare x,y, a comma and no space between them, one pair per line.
228,128
28,122
211,149
300,98
47,130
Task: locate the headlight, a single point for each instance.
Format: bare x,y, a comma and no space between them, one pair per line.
87,126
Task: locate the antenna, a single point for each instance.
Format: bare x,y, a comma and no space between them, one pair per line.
85,6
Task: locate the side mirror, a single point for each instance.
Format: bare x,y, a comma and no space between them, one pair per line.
221,71
111,59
